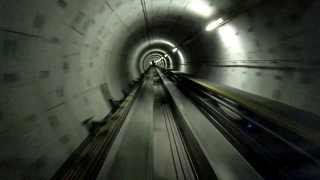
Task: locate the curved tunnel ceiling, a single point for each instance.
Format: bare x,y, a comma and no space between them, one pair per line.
170,24
112,34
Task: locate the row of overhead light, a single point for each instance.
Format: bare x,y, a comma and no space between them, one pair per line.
209,27
160,59
166,55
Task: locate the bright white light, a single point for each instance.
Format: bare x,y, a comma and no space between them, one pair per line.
158,60
228,37
166,55
201,8
214,24
175,49
231,42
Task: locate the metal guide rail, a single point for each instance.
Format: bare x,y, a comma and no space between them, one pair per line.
199,165
274,150
178,154
92,158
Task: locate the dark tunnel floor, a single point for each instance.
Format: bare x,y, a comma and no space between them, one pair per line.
153,144
151,135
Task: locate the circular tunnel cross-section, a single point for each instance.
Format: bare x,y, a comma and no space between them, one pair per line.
65,63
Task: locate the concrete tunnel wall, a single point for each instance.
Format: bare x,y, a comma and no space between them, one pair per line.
271,50
62,60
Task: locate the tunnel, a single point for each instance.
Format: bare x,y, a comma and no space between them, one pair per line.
71,67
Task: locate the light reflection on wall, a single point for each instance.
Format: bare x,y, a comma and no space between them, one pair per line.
181,57
200,7
182,67
230,43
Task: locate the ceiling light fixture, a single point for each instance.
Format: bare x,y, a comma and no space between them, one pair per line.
158,60
175,49
214,24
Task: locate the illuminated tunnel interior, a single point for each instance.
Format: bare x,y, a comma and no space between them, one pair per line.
63,63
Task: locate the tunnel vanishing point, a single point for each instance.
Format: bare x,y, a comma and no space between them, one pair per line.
159,89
